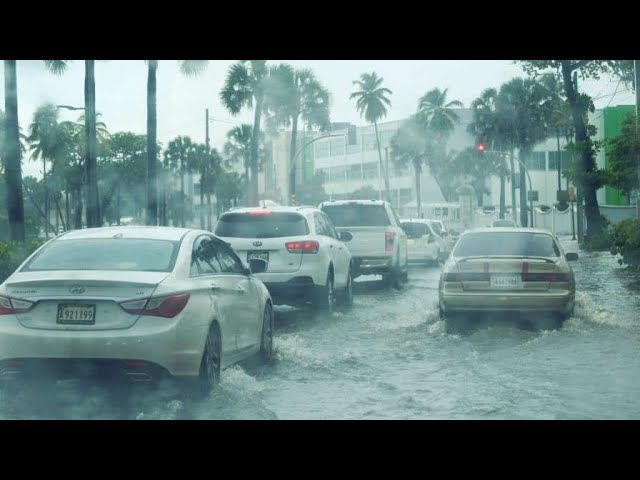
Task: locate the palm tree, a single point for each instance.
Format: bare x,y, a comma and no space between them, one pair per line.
245,87
409,145
176,157
297,95
11,154
238,146
187,67
490,130
524,104
47,143
372,103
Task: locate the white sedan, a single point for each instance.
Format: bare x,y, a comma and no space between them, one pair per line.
143,302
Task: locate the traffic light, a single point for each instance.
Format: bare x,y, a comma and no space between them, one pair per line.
481,147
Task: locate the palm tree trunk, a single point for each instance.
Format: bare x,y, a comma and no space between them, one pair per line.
514,213
182,199
92,199
524,217
118,205
35,204
253,189
46,198
418,170
382,169
209,212
292,157
11,154
202,183
78,208
152,178
502,187
59,217
67,210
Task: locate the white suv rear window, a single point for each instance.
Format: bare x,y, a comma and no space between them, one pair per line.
261,224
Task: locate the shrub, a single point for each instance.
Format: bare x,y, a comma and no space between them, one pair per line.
625,240
12,254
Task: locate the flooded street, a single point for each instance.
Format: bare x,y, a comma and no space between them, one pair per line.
390,358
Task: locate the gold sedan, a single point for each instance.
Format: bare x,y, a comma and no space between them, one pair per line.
519,270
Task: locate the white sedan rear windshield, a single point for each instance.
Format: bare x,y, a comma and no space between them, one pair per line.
140,255
506,243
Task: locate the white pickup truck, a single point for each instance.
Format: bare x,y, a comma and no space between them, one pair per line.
379,244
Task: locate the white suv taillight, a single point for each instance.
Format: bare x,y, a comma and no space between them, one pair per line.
167,307
13,305
303,247
389,238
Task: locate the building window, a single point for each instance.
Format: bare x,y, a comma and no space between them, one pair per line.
369,142
535,161
322,149
337,146
553,160
354,172
337,173
370,170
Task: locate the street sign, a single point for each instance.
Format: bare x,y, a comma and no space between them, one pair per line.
562,196
532,195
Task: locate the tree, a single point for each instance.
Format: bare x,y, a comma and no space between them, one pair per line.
11,154
297,95
237,149
367,192
492,132
523,103
589,178
624,149
372,101
189,68
439,117
228,189
245,86
410,146
176,157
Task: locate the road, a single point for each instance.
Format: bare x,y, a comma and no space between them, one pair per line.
390,358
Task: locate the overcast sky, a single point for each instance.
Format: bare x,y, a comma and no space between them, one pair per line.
121,91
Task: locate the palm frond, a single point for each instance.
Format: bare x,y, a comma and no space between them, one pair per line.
57,67
192,68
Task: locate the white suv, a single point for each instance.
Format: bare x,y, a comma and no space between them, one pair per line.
379,244
295,251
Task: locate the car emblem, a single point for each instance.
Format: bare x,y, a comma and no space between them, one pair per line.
76,289
257,244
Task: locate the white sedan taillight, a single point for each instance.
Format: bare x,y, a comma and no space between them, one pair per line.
13,305
167,307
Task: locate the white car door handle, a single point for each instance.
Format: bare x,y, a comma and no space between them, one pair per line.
240,290
214,287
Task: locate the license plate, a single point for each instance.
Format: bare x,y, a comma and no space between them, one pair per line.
257,256
76,314
411,242
505,281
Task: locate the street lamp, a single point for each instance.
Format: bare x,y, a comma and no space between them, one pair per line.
293,162
69,107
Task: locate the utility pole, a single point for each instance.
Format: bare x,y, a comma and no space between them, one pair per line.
579,193
636,78
209,211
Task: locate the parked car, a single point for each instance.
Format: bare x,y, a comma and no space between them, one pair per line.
140,302
379,244
444,238
421,241
295,251
503,222
506,269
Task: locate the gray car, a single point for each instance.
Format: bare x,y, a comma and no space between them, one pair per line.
507,269
143,302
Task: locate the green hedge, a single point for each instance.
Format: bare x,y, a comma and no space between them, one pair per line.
625,240
12,254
